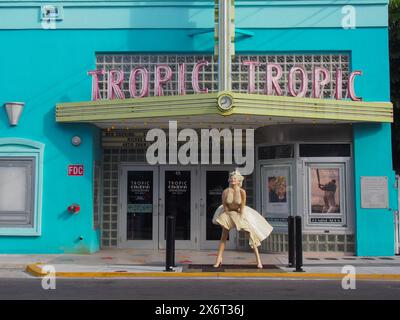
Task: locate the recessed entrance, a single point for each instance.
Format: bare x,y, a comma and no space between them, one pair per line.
148,194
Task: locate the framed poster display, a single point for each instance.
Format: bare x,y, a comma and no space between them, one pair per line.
276,193
326,194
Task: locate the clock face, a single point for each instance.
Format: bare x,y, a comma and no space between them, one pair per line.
225,102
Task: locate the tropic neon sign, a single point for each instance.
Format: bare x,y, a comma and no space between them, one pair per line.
297,83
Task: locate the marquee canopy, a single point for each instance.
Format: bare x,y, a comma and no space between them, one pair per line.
221,109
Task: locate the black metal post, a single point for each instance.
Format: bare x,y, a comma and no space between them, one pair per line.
299,244
173,242
291,241
170,239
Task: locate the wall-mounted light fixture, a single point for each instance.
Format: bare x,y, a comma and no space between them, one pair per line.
14,110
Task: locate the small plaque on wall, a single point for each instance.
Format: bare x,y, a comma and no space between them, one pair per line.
374,193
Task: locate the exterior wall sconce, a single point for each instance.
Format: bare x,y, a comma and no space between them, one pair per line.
14,110
76,141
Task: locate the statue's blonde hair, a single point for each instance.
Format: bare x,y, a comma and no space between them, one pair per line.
238,175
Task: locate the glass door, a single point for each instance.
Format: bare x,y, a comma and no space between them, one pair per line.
178,198
139,207
213,182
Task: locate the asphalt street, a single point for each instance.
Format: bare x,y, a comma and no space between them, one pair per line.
205,289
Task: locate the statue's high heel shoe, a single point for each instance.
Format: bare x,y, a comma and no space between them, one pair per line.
260,266
218,263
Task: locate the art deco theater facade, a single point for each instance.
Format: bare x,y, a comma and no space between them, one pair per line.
302,89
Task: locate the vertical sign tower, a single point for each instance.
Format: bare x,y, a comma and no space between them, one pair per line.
224,41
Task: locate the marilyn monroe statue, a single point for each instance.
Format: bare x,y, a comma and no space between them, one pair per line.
233,213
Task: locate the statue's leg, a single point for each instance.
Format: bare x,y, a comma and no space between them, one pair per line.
224,237
258,259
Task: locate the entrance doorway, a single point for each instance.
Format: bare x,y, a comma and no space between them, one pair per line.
148,194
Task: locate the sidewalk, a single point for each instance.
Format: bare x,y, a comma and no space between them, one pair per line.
151,263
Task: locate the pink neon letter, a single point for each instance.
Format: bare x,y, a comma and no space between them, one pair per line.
339,84
272,81
292,82
181,79
144,74
95,83
351,90
195,77
159,81
115,79
318,82
252,85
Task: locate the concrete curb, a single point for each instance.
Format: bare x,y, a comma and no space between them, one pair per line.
36,270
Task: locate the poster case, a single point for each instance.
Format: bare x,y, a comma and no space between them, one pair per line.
276,188
326,194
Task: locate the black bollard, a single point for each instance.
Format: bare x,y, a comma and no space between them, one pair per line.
299,244
170,246
291,241
173,242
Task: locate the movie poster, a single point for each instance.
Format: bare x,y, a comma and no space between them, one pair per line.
276,190
325,190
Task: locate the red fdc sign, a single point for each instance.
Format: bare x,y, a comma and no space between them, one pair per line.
75,170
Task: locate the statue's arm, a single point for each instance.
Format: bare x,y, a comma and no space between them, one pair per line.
224,195
243,203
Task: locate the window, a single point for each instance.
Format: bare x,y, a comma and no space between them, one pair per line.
276,152
17,191
21,166
325,150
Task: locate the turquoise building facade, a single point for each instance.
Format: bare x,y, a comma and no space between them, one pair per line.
44,63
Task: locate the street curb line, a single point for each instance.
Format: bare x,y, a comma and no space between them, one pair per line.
36,270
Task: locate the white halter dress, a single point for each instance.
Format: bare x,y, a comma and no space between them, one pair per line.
249,220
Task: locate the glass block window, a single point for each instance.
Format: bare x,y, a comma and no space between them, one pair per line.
208,77
96,195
